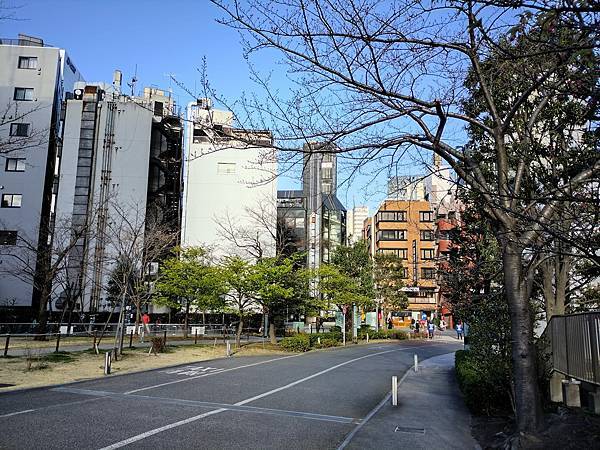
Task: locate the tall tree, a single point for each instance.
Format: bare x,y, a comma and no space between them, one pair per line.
239,288
355,263
388,275
376,79
187,280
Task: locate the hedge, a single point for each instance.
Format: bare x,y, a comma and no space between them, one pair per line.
297,343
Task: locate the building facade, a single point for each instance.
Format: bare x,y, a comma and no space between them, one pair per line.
119,176
229,172
34,80
313,219
355,220
407,229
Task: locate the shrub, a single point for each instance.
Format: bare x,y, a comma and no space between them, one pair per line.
397,334
483,384
326,343
381,334
158,344
335,329
296,343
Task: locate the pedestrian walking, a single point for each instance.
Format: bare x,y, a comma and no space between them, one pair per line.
146,327
459,330
417,326
390,323
430,329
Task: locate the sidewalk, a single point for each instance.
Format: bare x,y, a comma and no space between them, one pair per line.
430,413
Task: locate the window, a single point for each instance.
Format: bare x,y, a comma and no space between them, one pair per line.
158,108
326,173
224,168
8,237
391,216
11,201
426,253
428,273
326,188
404,273
27,62
401,253
327,157
444,235
15,164
427,235
391,235
24,94
425,216
19,129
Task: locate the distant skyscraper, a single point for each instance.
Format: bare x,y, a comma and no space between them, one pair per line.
406,187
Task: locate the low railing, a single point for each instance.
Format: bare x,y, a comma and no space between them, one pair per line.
575,344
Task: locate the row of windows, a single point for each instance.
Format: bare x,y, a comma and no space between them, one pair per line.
400,216
400,235
11,201
427,273
426,253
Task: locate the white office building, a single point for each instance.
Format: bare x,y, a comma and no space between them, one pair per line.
34,80
355,222
227,172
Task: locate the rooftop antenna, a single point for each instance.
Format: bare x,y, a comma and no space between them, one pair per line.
133,81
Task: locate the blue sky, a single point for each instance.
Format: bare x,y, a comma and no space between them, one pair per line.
160,38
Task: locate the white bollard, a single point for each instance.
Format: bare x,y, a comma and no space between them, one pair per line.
367,338
394,391
228,348
416,363
107,362
319,340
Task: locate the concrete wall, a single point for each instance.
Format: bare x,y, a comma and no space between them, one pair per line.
223,177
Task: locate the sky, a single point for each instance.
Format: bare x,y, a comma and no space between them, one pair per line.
152,39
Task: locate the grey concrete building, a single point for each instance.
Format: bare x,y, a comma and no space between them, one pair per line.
34,80
120,170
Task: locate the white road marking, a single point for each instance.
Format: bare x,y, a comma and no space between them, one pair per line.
133,391
17,413
243,402
139,437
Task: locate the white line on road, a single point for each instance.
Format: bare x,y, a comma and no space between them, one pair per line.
17,413
208,374
243,402
139,437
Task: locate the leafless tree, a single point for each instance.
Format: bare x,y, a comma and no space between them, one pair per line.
134,248
40,265
381,80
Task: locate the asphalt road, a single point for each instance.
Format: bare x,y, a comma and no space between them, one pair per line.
307,401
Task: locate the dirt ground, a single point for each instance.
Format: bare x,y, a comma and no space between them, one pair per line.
63,367
564,428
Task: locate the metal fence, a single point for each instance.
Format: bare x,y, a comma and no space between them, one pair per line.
575,342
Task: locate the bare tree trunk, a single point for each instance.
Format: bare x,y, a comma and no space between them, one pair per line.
43,313
527,398
272,336
238,335
186,318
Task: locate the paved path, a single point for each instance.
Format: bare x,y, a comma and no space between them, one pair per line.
307,401
430,413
